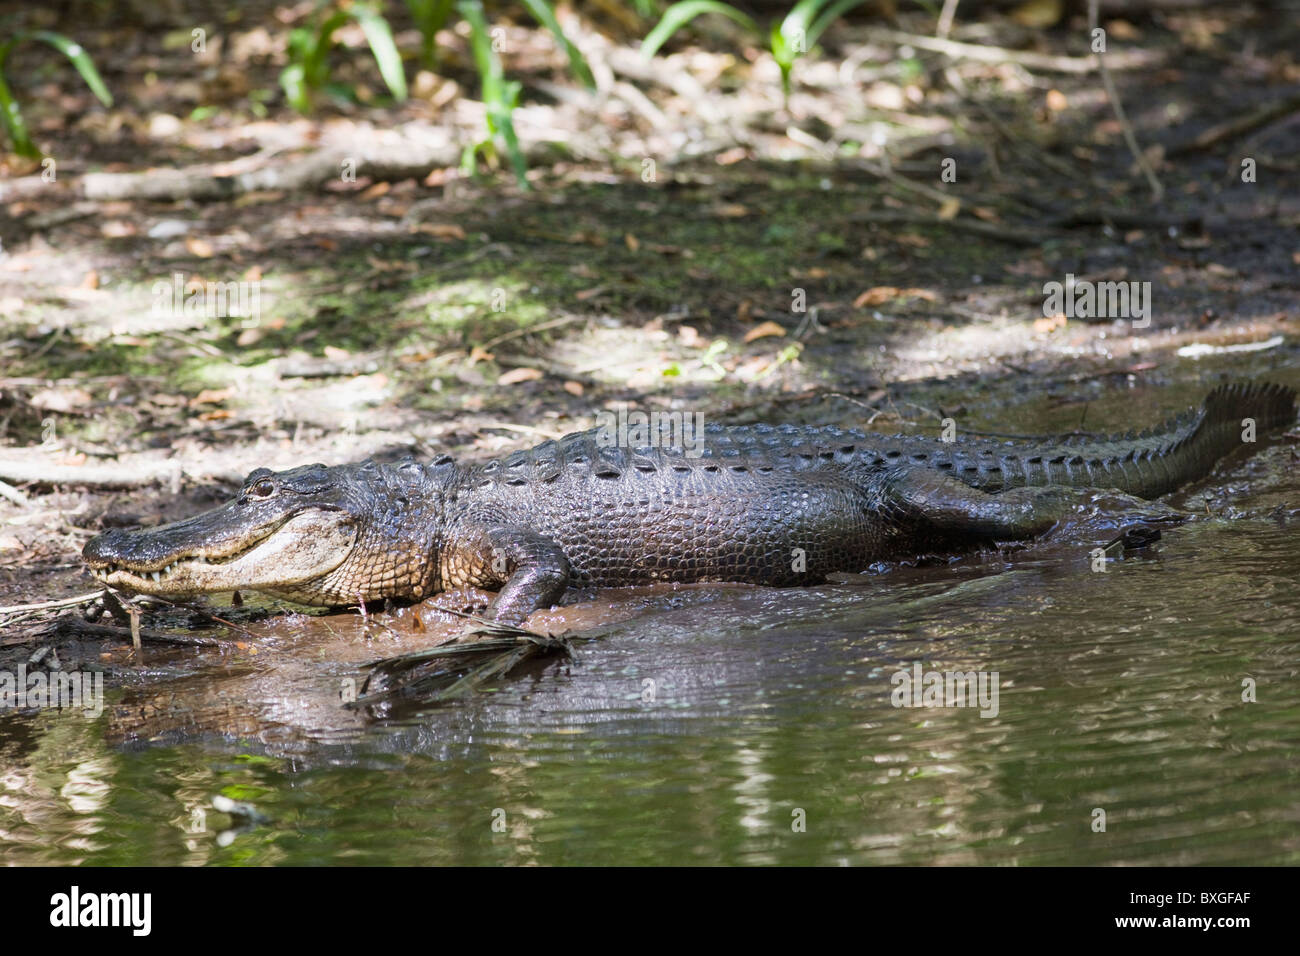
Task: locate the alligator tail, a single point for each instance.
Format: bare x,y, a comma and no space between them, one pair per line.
1181,450
1221,426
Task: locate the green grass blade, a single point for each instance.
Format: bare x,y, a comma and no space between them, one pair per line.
786,33
293,82
680,14
430,16
80,59
543,14
836,11
380,37
315,62
12,119
499,97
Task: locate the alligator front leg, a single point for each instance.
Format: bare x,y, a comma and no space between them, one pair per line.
952,508
532,571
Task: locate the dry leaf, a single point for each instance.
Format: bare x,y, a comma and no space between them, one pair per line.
440,230
949,208
1049,324
1056,101
395,266
1039,14
59,399
876,296
517,375
631,242
1122,30
211,396
199,248
258,197
733,210
574,388
763,331
377,190
751,370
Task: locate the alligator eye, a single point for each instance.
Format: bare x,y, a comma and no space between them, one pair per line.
262,489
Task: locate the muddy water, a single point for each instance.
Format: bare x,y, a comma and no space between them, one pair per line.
743,725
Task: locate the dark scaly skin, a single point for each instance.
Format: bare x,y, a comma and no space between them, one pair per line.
579,512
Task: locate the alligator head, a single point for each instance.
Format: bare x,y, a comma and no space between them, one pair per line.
292,533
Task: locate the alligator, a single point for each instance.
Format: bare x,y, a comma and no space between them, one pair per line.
774,505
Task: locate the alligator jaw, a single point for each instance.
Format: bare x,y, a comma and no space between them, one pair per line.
300,548
146,577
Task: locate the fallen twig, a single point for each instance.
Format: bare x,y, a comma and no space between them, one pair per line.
1011,234
71,626
32,470
1112,94
1240,126
1134,59
13,494
51,605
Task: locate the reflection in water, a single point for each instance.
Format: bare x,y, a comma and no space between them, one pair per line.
728,724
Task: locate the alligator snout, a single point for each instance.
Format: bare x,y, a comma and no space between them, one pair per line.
144,549
108,547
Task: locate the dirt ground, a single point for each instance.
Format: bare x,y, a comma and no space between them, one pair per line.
689,242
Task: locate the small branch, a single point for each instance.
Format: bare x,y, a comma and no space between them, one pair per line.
30,470
529,330
946,16
75,627
901,181
1240,126
1157,189
51,605
522,429
13,494
996,54
1019,237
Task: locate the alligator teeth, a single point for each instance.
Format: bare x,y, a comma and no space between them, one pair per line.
157,576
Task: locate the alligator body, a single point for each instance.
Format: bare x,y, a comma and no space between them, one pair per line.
773,505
